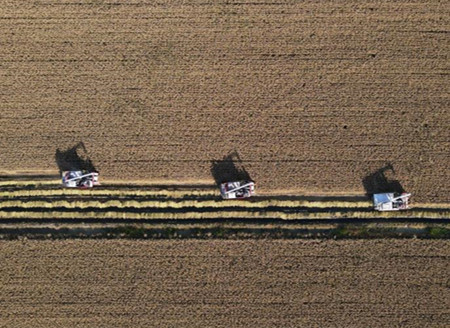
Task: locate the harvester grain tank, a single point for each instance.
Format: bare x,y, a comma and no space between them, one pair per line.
391,201
237,189
80,179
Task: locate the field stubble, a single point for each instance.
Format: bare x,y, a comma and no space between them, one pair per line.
313,96
379,283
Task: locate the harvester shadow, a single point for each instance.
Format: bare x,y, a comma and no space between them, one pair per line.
74,159
380,182
230,168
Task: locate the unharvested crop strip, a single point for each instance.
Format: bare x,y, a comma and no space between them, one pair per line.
196,193
170,203
30,183
106,192
432,205
219,215
181,204
255,203
149,215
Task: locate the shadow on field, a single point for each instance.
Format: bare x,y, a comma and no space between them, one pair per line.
74,159
230,168
382,181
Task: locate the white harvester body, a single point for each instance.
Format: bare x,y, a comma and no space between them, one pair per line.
79,179
391,201
237,189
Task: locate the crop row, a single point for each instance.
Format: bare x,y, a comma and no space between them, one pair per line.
181,204
167,215
106,192
176,201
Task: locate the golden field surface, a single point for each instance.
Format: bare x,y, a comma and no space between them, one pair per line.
314,96
48,200
266,283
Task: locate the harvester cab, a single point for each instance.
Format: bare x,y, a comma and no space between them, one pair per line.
391,201
237,189
79,179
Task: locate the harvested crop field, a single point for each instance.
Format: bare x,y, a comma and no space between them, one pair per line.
313,96
378,283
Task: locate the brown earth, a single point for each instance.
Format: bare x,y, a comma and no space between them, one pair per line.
312,95
378,283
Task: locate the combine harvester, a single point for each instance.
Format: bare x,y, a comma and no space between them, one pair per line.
80,179
237,189
391,201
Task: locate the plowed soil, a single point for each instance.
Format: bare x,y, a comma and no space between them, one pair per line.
74,283
313,95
